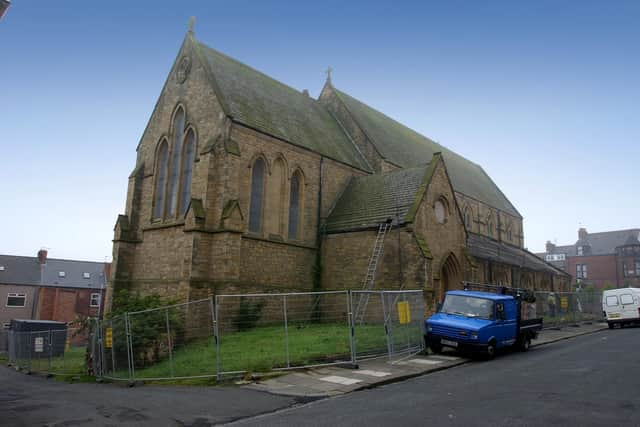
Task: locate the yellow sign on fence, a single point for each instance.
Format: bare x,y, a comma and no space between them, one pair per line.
404,312
564,303
108,338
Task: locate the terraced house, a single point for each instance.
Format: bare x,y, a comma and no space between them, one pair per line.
244,184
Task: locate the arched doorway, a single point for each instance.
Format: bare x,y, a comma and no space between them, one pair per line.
450,275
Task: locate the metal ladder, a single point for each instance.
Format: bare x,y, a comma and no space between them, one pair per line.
370,277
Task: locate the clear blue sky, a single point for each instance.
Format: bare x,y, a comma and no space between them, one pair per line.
544,95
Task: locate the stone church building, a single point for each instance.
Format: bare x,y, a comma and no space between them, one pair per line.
243,184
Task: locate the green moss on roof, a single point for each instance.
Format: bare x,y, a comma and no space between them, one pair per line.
407,148
373,199
262,103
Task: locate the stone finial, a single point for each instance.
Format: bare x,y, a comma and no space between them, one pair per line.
329,70
192,23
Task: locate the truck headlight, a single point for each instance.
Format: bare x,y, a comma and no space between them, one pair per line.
474,335
429,328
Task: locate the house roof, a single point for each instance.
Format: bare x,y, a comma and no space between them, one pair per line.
260,102
74,274
407,148
486,248
603,243
19,270
370,200
22,270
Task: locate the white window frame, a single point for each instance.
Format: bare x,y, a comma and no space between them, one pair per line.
580,251
16,295
6,325
99,297
86,275
62,274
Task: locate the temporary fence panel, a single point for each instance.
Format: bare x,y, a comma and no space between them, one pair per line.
391,323
557,308
172,342
258,332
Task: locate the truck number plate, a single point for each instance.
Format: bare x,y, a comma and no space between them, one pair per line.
449,343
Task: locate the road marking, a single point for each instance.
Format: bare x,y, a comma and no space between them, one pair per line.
425,361
371,373
340,380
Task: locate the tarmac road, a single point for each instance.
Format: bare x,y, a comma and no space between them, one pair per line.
588,380
592,380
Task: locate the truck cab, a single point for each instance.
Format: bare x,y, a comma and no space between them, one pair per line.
480,322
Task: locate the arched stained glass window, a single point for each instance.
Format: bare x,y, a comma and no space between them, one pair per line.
294,207
176,152
162,163
187,170
257,192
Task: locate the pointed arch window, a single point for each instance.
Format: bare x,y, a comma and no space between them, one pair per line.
294,207
176,152
467,218
188,158
489,226
162,163
257,196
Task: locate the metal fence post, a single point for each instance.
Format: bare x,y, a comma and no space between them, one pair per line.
127,329
352,343
386,317
113,351
216,333
50,351
286,329
169,343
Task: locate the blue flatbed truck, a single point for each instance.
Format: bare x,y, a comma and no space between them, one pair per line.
482,321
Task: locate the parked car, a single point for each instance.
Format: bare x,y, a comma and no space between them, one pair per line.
481,322
621,306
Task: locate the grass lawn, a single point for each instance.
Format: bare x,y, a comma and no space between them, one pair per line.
264,348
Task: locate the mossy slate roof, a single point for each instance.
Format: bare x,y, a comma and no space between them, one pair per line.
260,102
407,148
370,200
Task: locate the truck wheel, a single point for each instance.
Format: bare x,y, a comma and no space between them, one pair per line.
524,344
436,348
491,350
611,325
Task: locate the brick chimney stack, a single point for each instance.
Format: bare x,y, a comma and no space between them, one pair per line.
550,247
582,233
42,256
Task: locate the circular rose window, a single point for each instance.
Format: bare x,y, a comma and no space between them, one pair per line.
440,210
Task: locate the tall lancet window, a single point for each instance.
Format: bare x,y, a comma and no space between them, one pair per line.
162,163
187,170
176,152
257,192
294,207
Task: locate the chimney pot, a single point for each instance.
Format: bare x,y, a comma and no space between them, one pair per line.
42,256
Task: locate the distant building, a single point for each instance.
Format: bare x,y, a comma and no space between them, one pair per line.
610,258
50,289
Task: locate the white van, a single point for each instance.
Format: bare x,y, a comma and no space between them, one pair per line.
621,306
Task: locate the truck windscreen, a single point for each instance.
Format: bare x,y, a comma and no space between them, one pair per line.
468,306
